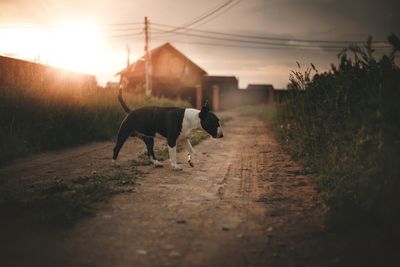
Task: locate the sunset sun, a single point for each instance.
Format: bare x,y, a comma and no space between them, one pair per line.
76,46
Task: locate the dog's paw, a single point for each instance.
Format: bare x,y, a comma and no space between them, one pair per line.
157,164
191,163
176,167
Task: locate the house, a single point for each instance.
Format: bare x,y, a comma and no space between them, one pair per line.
172,75
175,75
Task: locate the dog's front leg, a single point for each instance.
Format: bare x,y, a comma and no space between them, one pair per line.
172,158
190,152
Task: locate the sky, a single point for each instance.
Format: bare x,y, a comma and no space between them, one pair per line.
91,36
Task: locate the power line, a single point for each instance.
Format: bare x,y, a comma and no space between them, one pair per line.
236,40
103,28
263,47
132,35
130,30
219,14
202,17
265,37
253,46
123,31
124,24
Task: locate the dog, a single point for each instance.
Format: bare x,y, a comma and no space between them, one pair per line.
170,122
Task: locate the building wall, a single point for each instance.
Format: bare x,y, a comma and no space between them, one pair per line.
240,97
222,92
214,89
173,68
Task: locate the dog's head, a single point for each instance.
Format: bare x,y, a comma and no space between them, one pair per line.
210,122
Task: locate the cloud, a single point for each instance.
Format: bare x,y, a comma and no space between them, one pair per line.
329,18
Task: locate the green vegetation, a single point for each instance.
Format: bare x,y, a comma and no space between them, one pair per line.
265,112
61,202
196,137
345,125
39,119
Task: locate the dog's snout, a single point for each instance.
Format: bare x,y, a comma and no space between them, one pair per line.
219,132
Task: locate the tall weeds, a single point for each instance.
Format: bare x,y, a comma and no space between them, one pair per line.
345,124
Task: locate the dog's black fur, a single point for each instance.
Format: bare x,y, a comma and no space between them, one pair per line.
146,122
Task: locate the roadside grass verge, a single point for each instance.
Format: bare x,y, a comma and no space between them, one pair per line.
62,203
344,124
266,112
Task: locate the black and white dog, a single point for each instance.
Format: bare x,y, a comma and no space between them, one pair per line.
170,122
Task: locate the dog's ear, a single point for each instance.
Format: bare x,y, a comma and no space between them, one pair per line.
204,110
206,106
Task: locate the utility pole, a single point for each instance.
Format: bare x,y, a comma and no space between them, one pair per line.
147,58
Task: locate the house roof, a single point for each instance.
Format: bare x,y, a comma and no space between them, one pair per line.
139,65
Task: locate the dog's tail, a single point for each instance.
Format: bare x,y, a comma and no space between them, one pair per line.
122,102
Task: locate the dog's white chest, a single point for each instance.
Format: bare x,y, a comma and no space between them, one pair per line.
190,121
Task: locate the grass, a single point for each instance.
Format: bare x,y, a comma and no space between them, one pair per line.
196,137
345,125
62,202
267,113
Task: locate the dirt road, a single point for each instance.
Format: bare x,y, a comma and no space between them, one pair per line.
246,203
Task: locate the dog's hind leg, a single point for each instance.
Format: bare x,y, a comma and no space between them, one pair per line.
149,141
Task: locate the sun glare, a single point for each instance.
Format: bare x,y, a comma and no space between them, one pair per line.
77,46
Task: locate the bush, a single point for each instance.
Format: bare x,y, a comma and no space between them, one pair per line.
345,124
